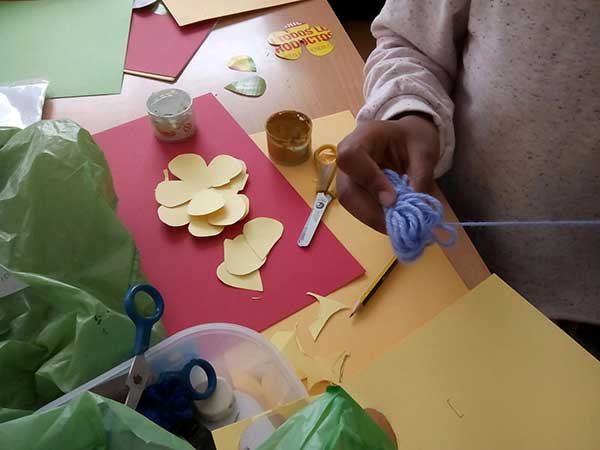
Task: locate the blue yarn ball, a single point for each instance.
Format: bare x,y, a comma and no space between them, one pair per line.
413,220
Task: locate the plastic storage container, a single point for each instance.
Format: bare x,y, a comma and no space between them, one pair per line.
260,377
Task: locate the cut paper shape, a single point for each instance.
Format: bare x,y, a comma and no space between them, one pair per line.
252,86
66,42
233,211
327,308
251,281
223,168
173,193
199,227
288,44
242,63
286,343
325,368
240,259
174,217
262,234
205,202
210,209
191,168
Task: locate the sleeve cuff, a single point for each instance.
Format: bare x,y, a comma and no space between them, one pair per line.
407,103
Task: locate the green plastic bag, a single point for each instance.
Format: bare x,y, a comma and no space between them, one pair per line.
88,422
60,235
332,422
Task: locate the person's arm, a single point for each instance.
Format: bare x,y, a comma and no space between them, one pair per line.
406,123
415,63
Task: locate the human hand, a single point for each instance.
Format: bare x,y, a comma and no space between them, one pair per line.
409,145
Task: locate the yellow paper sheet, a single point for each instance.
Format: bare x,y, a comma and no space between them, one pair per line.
490,372
191,11
409,297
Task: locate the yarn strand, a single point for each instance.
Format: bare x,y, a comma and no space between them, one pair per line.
416,220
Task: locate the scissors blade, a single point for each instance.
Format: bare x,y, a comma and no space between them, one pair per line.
138,377
310,227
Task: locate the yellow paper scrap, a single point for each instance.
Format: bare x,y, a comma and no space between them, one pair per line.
233,211
205,201
325,368
172,193
199,227
262,234
191,168
327,308
213,191
223,168
251,281
240,259
174,217
286,343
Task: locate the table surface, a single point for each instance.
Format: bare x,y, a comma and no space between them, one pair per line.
316,86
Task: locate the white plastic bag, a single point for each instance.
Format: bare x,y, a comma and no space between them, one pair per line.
21,102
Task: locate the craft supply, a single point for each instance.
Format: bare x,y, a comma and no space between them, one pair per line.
250,281
195,294
242,63
219,406
252,86
288,43
189,11
289,137
153,36
206,196
327,308
482,361
262,234
247,252
377,282
171,114
415,218
139,372
169,402
67,43
325,163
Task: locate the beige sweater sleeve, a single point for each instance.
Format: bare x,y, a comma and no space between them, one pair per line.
414,65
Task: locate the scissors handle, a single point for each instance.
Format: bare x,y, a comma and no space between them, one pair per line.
211,376
143,325
325,162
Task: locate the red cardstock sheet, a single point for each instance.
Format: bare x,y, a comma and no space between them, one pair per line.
157,45
183,267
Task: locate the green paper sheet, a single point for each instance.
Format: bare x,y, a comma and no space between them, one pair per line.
77,45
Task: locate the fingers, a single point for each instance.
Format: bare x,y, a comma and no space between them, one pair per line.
422,152
420,170
360,203
357,163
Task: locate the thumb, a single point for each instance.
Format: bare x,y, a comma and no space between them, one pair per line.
365,172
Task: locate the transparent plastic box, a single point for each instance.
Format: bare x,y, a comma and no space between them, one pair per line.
260,377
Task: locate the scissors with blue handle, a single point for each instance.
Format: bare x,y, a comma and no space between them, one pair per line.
140,372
